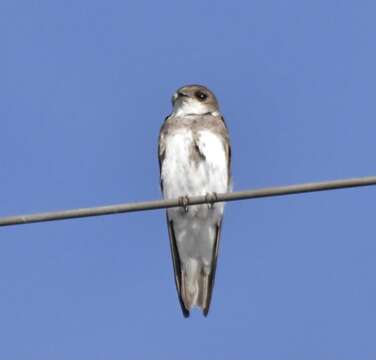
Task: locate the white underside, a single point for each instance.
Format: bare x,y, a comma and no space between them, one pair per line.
195,231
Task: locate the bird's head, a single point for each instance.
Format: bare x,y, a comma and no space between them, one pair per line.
194,100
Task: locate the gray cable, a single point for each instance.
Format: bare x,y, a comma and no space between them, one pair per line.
194,200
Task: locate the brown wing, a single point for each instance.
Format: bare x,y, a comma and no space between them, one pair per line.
162,146
223,132
177,264
227,146
173,245
214,267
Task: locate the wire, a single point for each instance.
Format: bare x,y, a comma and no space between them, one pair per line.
194,200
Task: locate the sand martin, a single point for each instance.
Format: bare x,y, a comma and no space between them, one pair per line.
195,159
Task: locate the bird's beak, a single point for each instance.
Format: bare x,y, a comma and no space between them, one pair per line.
179,97
181,94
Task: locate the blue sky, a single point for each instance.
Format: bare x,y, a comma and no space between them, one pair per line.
85,86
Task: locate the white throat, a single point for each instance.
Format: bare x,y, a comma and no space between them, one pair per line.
191,107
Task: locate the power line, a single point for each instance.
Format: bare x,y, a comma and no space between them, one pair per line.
194,200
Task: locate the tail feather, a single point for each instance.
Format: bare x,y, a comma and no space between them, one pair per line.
194,280
196,290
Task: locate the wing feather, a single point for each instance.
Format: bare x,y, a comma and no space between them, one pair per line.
214,268
177,264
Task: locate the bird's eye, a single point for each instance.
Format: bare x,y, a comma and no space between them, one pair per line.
201,95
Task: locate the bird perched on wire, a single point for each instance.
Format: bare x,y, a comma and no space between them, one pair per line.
195,159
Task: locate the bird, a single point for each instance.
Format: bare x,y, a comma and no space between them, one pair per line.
195,160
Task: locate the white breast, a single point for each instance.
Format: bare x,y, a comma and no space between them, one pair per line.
182,176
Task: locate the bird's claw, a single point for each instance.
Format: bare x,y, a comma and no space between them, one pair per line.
184,202
211,198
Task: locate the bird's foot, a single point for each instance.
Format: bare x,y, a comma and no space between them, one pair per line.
211,198
184,202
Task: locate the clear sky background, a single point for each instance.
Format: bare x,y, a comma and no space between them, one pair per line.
84,88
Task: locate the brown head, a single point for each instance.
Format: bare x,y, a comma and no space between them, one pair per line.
194,100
